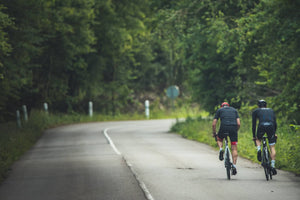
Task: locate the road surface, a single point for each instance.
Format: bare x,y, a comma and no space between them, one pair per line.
134,160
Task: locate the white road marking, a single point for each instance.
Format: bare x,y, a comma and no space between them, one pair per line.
111,142
141,183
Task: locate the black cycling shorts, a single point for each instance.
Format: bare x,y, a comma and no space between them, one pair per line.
231,130
269,129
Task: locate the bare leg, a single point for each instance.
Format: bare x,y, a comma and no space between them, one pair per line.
234,153
273,152
220,144
273,156
258,142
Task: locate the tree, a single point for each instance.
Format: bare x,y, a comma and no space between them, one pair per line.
120,32
67,39
5,49
212,46
23,37
270,47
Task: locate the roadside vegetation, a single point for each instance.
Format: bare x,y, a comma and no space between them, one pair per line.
287,146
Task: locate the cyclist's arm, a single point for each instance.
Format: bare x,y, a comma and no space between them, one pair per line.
214,124
275,123
253,124
238,121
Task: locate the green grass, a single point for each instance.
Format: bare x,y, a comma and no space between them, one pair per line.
287,146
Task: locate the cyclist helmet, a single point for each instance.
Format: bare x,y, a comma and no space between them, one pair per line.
262,103
224,104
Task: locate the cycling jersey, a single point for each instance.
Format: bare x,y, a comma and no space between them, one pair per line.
228,116
266,117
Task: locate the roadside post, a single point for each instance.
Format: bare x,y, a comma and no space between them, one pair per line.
25,113
18,119
147,110
46,107
91,109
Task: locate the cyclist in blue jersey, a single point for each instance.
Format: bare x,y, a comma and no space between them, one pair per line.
230,123
267,124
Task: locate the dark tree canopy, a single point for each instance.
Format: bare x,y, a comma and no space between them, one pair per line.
112,52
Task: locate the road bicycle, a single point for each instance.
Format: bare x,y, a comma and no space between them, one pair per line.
227,156
266,159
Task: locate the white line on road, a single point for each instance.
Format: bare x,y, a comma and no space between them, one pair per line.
111,142
141,183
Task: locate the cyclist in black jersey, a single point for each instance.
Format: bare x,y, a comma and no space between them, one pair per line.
267,124
230,123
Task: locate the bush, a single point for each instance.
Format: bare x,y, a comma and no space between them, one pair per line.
15,141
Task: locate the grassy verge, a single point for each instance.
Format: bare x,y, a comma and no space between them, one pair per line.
287,147
15,141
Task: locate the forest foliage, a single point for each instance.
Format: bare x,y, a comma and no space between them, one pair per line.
117,53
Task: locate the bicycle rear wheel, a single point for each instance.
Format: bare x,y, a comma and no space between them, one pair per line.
265,164
228,172
269,166
270,173
266,173
227,164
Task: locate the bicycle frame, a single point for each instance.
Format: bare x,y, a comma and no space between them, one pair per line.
266,159
227,158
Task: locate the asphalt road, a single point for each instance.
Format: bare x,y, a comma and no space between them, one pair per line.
135,160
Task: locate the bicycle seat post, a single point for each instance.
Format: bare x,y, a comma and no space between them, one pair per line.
264,140
226,137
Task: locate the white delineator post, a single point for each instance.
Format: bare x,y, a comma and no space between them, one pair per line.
18,119
91,109
147,110
46,107
25,112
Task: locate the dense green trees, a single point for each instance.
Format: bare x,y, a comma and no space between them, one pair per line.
121,50
50,40
69,52
269,38
241,51
5,49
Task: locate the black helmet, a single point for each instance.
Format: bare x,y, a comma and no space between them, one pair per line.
262,103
